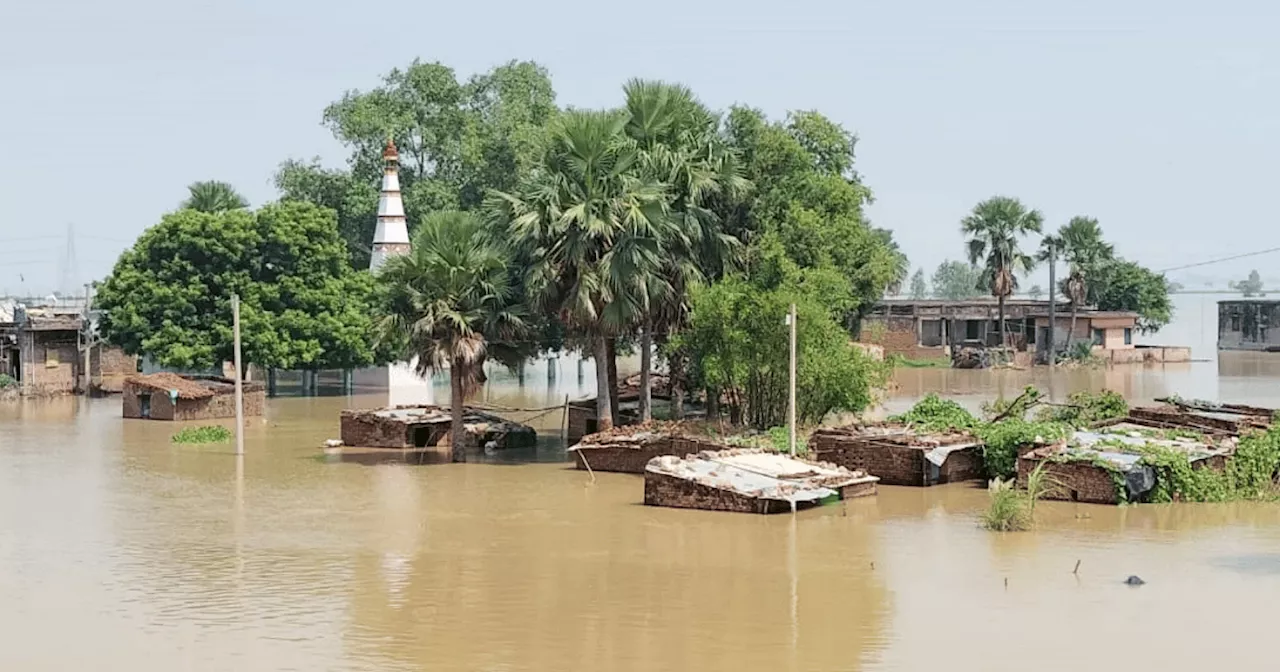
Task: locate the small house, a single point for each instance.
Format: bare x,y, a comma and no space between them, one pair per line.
409,427
170,396
629,449
899,455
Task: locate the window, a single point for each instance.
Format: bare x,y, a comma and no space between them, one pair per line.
930,333
1128,336
51,358
971,329
1235,323
1099,337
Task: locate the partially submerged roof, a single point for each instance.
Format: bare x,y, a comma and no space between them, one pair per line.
758,474
639,436
189,387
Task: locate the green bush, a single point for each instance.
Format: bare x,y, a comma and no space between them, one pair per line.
1001,441
1086,408
205,434
933,414
7,381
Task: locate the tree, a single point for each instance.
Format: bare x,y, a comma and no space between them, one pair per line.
1085,252
212,197
995,229
1251,286
1035,292
1125,285
956,280
808,198
592,231
740,352
919,289
449,304
355,202
302,306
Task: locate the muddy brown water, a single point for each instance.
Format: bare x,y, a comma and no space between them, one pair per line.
121,550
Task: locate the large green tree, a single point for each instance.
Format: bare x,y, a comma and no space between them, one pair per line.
919,289
302,307
592,231
956,280
449,303
1125,285
994,232
213,196
457,140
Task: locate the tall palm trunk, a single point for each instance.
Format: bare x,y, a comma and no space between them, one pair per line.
1000,308
646,363
616,407
604,400
457,434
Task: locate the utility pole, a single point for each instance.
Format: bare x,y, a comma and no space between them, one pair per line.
1053,324
791,406
235,328
88,338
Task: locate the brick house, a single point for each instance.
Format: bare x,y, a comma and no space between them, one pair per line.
898,455
45,353
928,329
169,396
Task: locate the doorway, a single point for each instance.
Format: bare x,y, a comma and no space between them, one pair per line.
421,437
144,405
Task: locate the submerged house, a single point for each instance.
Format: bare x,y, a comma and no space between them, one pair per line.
629,449
169,396
928,329
899,455
749,481
409,427
1245,324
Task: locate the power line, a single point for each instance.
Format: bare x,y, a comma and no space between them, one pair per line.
1218,261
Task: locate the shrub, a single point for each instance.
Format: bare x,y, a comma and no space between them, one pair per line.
205,434
7,381
934,413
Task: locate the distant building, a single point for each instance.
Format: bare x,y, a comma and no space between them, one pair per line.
1246,324
43,349
928,329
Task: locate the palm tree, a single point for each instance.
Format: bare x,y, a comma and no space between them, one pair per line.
449,303
213,196
592,231
994,230
1084,251
679,147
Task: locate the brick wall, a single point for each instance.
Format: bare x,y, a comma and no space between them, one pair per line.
50,362
895,464
109,366
898,336
162,408
1080,481
665,490
630,460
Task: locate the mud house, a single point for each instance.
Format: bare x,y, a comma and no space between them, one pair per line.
629,449
1246,324
407,427
749,481
898,455
927,329
42,351
169,396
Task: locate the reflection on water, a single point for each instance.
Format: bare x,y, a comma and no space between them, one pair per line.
154,556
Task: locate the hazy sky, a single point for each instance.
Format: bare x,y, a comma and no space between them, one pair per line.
1158,118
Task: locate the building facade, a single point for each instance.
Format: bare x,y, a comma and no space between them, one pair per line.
1245,324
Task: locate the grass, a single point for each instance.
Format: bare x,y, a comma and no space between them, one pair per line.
930,363
205,434
1013,510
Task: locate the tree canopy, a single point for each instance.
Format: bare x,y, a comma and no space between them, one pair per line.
213,196
955,280
919,289
1250,286
302,307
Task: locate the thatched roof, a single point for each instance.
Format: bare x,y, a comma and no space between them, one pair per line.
189,387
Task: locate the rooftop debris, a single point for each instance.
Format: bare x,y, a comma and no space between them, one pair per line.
749,480
629,448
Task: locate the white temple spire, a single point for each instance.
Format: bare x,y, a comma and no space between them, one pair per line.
392,234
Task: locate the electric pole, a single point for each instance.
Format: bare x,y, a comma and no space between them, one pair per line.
1053,324
235,328
791,406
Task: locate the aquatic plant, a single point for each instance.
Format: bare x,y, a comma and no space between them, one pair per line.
934,413
7,381
1007,510
205,434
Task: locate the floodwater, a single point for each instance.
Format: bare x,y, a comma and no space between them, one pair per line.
121,550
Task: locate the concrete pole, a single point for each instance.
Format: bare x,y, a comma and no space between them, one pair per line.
235,329
1053,325
791,406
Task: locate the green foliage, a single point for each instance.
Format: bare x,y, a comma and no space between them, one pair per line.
934,413
908,363
302,306
1012,510
1124,285
1085,408
354,201
955,280
1250,472
7,381
1012,408
919,289
738,344
1001,441
994,232
205,434
213,197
